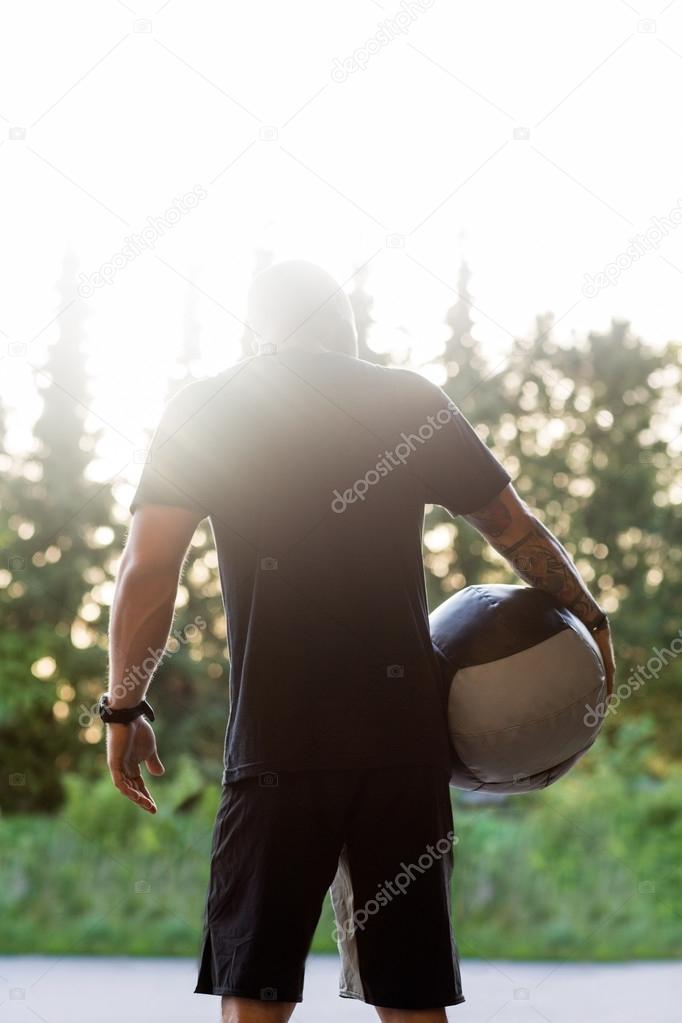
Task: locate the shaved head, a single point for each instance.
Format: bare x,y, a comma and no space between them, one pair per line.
298,304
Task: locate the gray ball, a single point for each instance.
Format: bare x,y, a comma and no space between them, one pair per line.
523,674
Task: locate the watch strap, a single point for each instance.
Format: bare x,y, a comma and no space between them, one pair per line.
123,715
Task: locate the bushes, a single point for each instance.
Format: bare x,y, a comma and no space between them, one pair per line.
103,877
588,869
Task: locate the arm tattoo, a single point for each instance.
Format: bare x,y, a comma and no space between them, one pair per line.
534,559
492,520
539,559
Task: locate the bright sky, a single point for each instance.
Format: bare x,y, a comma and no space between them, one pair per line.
537,139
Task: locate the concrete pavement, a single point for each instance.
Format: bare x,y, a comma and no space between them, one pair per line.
81,990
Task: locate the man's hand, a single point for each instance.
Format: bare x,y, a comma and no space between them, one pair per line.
127,747
602,638
141,617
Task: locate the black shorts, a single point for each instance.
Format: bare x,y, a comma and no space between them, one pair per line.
381,838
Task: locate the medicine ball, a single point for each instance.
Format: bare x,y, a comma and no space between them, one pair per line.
523,674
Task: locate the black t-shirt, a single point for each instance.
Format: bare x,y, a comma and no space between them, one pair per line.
314,469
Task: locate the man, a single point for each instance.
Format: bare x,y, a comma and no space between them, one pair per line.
314,468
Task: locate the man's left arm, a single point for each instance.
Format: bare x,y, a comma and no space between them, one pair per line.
539,558
141,618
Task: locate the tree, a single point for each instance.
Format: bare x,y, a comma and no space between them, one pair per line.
53,659
455,555
583,427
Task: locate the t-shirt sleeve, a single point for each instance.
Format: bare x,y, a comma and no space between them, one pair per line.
175,466
448,459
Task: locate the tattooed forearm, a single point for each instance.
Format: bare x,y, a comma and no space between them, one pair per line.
539,559
533,552
536,560
493,520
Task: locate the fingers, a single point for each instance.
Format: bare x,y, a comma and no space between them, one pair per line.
138,783
127,745
603,640
133,789
610,669
154,765
608,675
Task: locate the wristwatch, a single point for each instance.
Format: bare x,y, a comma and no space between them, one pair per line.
124,715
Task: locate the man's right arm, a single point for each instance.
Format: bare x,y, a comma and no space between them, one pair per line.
540,560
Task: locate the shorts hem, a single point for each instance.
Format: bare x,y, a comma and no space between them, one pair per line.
253,770
241,993
347,993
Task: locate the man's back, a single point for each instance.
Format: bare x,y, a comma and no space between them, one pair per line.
314,468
